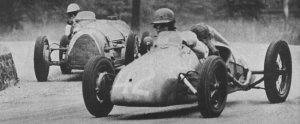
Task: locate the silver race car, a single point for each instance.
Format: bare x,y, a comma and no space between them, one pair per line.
170,73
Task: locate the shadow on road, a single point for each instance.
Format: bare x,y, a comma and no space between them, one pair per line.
254,102
74,76
232,103
177,112
251,102
77,77
158,115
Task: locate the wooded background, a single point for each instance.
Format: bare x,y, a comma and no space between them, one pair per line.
25,19
13,12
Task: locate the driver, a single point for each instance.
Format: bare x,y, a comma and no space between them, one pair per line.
72,11
164,20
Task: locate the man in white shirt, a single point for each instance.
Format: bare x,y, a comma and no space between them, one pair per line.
72,11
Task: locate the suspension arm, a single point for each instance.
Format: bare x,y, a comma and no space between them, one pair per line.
188,84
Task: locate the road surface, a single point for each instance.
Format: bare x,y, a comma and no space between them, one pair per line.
60,100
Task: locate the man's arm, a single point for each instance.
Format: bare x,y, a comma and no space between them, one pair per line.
217,36
68,30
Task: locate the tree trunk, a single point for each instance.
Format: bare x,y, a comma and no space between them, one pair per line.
286,9
135,19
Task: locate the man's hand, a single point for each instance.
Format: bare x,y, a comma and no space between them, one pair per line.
213,50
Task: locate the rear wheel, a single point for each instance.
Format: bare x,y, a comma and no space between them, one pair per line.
98,77
131,48
213,87
278,71
41,58
65,68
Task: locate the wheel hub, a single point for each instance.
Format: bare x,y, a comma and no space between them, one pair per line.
99,80
280,76
215,92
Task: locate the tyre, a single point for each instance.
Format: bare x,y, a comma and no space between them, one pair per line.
278,71
131,48
41,58
65,68
143,46
213,87
98,77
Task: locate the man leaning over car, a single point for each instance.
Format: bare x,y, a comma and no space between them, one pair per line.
164,20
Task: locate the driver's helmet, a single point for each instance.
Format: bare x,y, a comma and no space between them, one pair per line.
72,11
73,7
163,16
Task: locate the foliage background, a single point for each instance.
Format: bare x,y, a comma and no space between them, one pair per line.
26,19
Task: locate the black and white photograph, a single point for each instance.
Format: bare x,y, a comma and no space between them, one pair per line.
149,61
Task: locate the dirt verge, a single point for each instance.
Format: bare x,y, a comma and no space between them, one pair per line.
8,73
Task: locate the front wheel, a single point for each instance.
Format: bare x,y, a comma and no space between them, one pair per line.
213,87
41,58
278,71
98,77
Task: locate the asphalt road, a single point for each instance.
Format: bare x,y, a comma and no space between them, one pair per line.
59,100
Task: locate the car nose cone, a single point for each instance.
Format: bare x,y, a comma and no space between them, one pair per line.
151,79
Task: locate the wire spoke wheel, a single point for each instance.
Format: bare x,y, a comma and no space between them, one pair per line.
216,100
213,87
281,84
278,71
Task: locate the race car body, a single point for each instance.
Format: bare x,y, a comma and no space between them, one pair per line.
95,38
91,37
172,73
152,80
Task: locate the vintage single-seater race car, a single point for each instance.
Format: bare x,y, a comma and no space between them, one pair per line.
112,39
171,74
